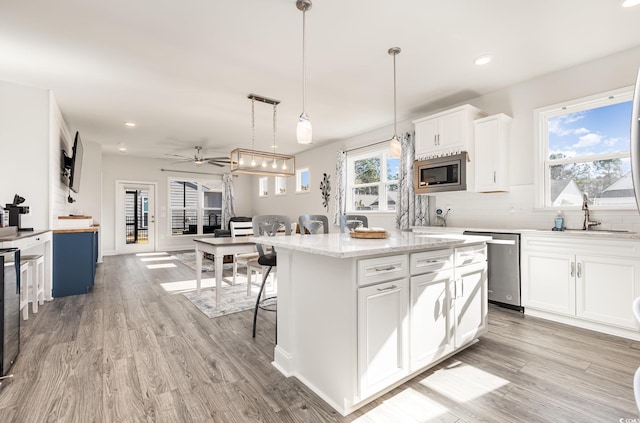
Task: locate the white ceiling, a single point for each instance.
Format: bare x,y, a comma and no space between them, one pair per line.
182,70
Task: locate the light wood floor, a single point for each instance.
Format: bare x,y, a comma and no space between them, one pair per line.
130,351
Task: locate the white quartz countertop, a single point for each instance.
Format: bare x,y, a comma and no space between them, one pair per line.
593,233
343,246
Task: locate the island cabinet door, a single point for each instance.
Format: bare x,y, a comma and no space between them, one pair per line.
382,335
431,333
471,303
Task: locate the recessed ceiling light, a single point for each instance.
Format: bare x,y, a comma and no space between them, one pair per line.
129,124
122,148
629,3
483,60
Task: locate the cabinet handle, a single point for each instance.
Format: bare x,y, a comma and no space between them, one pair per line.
384,269
579,270
389,288
435,139
573,269
432,261
494,176
438,139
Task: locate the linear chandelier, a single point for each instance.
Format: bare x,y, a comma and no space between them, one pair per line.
255,162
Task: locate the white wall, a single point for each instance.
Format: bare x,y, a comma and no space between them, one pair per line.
514,209
320,160
120,167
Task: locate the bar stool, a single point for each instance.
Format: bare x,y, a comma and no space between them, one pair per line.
35,280
24,290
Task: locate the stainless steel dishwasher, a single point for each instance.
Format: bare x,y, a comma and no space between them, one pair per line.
503,256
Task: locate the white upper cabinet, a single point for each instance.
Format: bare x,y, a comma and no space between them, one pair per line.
492,153
446,132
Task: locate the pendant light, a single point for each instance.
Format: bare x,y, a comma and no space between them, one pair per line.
304,132
395,148
262,162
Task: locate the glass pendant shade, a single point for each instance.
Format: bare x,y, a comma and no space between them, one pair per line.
304,131
395,148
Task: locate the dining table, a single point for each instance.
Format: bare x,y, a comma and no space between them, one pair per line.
219,247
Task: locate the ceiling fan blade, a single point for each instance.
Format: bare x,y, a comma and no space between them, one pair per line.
217,163
178,155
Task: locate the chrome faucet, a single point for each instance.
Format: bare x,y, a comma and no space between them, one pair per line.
588,223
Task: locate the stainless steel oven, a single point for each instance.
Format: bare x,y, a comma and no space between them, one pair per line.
440,174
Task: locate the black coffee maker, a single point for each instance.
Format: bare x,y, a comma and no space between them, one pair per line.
15,210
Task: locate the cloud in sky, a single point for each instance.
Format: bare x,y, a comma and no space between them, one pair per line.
588,140
561,125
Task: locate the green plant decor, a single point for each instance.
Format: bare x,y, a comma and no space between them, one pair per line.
325,190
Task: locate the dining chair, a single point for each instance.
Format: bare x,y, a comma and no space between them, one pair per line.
242,229
349,222
267,225
311,224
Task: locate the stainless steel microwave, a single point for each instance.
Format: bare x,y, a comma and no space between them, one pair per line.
440,174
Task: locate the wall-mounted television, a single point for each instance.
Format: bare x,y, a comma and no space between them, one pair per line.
73,164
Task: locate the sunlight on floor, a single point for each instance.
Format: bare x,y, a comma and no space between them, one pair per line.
162,253
405,407
189,285
160,266
462,382
159,258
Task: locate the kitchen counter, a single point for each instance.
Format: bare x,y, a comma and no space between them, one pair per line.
345,306
33,243
593,233
340,245
19,235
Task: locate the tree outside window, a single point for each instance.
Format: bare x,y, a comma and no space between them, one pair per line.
585,145
372,180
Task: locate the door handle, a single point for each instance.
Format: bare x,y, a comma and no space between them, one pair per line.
389,288
573,269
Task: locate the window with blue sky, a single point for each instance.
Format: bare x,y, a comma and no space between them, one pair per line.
586,151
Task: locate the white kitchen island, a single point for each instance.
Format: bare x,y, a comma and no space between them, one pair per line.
358,317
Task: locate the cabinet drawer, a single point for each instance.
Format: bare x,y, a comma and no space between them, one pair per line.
471,254
430,261
382,269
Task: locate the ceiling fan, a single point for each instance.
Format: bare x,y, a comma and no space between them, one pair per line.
199,159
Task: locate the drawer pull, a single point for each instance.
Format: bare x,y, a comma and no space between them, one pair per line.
432,261
389,288
384,269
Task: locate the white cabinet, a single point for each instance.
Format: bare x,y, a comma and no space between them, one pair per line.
470,293
382,335
592,281
446,132
492,153
548,281
448,304
432,319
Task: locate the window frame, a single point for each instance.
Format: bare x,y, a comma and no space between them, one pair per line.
542,164
377,151
280,183
299,187
263,186
214,186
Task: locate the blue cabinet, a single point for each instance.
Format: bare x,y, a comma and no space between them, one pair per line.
74,262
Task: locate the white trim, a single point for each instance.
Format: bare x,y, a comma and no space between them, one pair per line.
119,230
541,117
